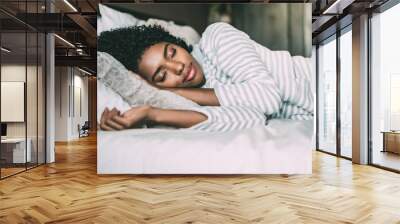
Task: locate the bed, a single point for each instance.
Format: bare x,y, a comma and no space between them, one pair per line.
281,147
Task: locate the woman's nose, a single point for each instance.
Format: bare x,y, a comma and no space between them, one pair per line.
176,66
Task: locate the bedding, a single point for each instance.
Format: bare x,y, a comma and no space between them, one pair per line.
114,19
133,89
282,147
106,97
122,89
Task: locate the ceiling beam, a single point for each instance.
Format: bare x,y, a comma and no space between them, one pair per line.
321,20
86,27
49,22
337,7
81,61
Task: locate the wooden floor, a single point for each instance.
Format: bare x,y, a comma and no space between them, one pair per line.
5,172
70,191
387,159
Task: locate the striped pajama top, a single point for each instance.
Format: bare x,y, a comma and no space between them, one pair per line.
252,83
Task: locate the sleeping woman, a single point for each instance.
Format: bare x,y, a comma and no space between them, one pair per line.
238,82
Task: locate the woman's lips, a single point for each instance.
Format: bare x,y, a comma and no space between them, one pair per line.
191,73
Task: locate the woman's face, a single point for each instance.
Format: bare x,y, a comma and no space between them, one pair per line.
169,65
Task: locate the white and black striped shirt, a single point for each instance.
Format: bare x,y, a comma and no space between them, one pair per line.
252,83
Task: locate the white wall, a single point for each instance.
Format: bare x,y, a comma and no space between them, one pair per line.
61,103
80,105
34,126
16,73
12,73
71,94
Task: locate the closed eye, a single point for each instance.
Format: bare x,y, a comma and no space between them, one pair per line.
171,52
161,77
164,76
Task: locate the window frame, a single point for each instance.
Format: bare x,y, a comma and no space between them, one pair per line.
334,37
381,9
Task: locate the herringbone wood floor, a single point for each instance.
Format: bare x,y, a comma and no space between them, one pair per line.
70,191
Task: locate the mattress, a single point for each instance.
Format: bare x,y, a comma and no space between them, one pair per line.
281,147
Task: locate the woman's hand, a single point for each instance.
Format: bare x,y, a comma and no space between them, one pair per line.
106,122
114,120
135,117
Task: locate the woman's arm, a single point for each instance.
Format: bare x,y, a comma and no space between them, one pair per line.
203,97
218,119
236,56
175,118
136,116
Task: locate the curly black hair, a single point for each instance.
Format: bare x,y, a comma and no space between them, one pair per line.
127,45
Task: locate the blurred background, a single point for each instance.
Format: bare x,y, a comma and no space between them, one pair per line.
278,26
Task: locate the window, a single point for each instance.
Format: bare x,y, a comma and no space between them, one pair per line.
346,94
327,97
385,88
22,67
394,101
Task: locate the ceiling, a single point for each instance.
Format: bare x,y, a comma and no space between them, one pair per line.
76,22
72,20
330,16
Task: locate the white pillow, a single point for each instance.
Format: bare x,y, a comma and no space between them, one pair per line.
106,97
122,89
187,33
135,90
114,19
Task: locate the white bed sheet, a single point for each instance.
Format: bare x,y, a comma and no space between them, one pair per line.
281,147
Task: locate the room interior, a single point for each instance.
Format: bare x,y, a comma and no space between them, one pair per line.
48,66
336,68
186,151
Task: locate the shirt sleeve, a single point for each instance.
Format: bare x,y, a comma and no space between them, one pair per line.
295,112
229,118
234,53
